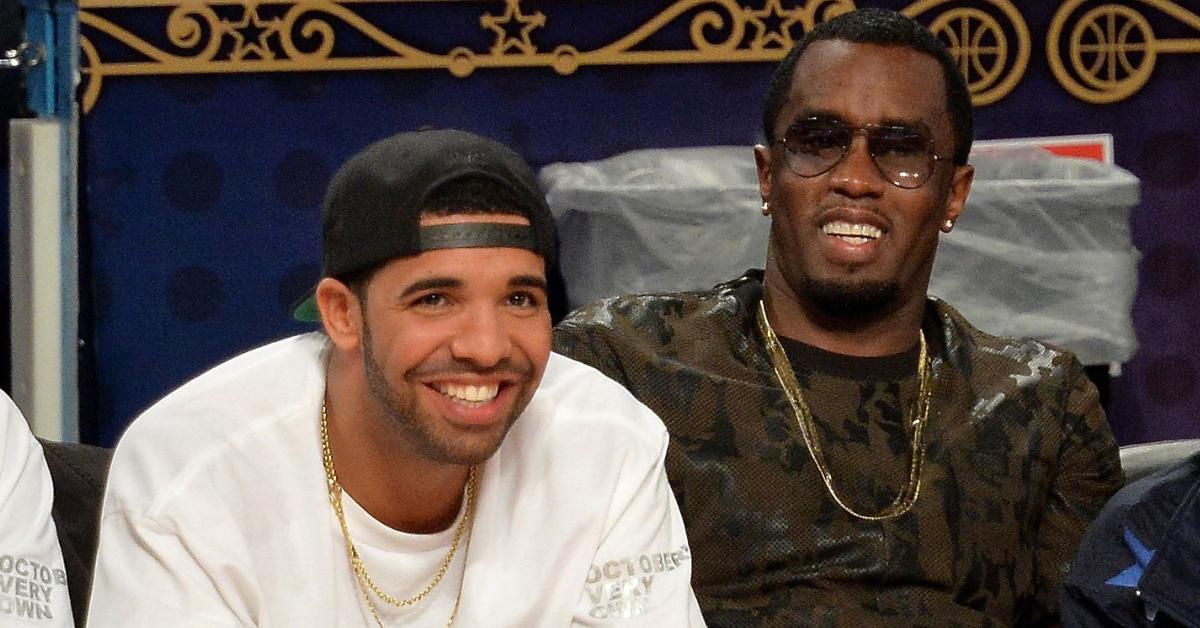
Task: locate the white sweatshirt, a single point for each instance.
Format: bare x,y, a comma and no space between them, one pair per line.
217,514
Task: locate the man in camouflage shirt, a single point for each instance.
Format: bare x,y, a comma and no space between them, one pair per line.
881,462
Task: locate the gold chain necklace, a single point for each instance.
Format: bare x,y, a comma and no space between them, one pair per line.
365,584
787,378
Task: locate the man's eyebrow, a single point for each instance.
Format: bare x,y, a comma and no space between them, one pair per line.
436,283
824,114
529,281
431,283
820,114
907,123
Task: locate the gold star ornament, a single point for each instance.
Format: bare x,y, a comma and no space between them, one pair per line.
250,35
513,28
773,25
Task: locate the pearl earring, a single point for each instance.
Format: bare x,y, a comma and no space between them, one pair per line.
949,224
766,211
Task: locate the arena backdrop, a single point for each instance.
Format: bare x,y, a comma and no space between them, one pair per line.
211,128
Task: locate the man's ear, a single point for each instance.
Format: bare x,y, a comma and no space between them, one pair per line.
762,161
960,188
341,313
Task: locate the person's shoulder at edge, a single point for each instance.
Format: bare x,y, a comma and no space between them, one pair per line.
21,456
1165,488
1102,584
18,442
27,529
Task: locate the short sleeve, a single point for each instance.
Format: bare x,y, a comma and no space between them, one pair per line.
641,573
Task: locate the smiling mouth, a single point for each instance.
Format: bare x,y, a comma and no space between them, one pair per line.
470,395
852,232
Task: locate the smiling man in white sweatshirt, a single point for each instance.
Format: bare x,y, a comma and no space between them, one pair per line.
425,461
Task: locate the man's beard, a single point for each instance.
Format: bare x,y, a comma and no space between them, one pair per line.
404,417
850,300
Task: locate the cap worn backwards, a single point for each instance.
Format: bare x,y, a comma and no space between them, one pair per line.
373,206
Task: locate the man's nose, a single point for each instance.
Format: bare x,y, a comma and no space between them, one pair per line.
481,339
856,175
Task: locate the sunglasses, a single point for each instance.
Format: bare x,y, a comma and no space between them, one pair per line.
903,154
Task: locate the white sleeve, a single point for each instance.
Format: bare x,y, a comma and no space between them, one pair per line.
147,577
641,574
33,581
166,556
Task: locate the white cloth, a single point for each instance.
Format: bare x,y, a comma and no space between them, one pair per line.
217,514
33,582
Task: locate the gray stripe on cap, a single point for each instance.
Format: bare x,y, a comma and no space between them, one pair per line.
467,235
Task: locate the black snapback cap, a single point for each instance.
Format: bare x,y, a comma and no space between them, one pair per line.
373,205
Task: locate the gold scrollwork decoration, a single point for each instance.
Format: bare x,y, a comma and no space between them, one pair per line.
304,38
237,36
980,44
1111,48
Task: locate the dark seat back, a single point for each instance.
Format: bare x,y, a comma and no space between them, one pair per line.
79,473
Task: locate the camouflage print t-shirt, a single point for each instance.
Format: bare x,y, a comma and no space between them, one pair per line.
1018,459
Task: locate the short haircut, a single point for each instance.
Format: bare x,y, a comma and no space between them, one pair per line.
881,27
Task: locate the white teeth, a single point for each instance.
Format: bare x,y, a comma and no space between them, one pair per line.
856,233
470,393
